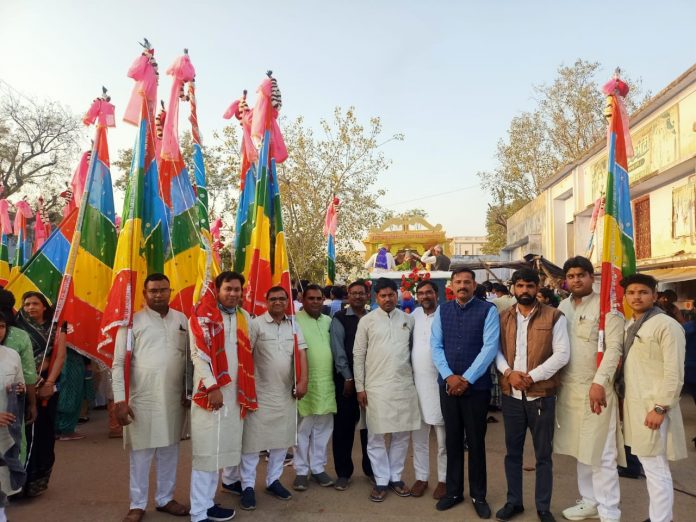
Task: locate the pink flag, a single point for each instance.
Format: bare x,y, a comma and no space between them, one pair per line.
266,118
182,71
331,219
5,223
42,226
144,72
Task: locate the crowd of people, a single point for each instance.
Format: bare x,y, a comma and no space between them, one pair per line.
345,364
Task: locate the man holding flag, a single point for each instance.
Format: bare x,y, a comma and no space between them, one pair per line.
151,406
587,409
224,390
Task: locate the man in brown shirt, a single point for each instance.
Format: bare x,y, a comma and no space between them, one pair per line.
534,346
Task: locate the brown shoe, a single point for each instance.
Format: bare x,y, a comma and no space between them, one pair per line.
174,508
440,491
378,493
134,515
418,488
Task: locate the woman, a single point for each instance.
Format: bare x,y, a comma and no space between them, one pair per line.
35,318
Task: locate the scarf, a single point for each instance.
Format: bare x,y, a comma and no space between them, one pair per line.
38,333
208,329
631,334
381,259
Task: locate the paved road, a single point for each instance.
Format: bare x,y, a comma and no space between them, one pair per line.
90,483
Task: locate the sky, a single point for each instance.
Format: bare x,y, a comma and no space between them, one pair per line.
449,75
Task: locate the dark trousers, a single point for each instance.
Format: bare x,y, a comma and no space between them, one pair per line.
346,417
465,420
40,443
539,416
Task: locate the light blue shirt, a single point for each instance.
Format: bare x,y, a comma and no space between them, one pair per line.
491,344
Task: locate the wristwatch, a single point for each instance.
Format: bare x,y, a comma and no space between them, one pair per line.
659,409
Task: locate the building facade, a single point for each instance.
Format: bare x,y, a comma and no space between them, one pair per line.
662,176
467,245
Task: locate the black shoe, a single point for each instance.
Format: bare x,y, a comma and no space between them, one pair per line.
629,473
546,516
278,491
482,508
508,511
219,513
248,501
448,502
235,488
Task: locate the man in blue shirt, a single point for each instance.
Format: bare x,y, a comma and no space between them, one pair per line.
464,341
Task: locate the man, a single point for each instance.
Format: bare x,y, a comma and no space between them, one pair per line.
534,346
425,377
465,337
381,261
224,393
273,426
587,409
503,300
436,259
154,414
384,382
653,374
344,326
317,407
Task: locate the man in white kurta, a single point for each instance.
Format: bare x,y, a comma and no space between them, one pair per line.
154,412
425,376
654,348
273,426
216,431
384,382
587,408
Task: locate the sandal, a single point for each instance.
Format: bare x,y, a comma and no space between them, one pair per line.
400,488
174,508
378,493
134,515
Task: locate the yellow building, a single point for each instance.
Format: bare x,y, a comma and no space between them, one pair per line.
662,177
406,233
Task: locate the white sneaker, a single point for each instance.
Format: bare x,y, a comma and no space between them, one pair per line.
581,511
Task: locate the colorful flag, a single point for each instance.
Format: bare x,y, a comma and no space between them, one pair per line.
73,195
140,247
23,244
189,255
5,230
247,186
330,224
618,251
87,278
44,271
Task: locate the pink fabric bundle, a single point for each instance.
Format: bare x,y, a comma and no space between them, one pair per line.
240,110
42,226
77,184
145,76
619,89
182,71
266,118
23,213
331,219
5,223
102,112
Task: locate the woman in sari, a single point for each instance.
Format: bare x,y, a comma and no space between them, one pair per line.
35,318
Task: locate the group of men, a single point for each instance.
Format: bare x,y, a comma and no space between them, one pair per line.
269,383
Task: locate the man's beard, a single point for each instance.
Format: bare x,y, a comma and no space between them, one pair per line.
525,299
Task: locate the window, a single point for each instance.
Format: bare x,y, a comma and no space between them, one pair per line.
641,218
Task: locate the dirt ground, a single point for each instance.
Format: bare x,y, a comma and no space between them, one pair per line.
90,483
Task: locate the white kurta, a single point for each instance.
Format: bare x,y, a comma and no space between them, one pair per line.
274,424
579,432
216,437
654,374
10,373
424,371
382,368
157,378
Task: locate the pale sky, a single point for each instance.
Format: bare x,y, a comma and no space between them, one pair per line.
448,74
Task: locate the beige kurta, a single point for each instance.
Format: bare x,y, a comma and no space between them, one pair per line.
216,437
382,368
579,432
654,374
274,424
157,375
424,370
10,373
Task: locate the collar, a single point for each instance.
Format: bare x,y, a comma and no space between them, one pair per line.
269,318
462,306
519,314
150,311
583,299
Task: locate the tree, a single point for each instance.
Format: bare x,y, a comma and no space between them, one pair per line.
566,122
344,160
38,146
